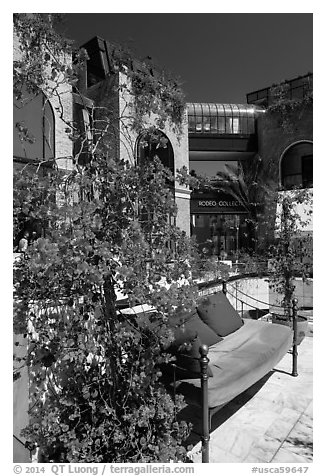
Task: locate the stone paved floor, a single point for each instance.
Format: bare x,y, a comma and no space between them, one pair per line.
269,423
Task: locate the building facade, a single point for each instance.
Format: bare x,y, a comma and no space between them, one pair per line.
275,125
221,138
285,133
215,139
285,142
105,84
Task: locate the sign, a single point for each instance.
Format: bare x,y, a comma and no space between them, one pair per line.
220,203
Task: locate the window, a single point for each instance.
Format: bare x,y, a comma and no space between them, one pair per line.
192,123
214,124
211,118
34,127
236,125
307,171
221,124
297,166
227,233
83,123
211,168
198,123
206,121
155,143
151,144
243,125
228,125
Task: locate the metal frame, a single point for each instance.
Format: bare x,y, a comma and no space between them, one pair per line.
303,83
295,338
204,360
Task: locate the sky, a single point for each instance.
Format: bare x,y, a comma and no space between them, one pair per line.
218,57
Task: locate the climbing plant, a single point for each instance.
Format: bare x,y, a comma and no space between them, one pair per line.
107,230
96,390
287,110
290,253
157,95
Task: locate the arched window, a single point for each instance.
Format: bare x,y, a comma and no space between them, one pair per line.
150,144
33,127
153,143
296,166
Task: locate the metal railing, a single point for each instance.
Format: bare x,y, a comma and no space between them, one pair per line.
253,299
286,310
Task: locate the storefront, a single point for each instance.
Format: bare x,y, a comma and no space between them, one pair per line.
222,137
218,222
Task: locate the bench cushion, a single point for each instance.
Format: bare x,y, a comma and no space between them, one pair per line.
217,312
239,361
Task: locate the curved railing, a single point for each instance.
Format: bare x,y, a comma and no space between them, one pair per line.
244,300
252,306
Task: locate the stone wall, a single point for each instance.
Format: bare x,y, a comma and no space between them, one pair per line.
179,142
274,136
59,95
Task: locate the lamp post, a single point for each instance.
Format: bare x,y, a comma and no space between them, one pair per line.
237,225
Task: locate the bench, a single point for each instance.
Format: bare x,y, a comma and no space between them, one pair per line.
216,363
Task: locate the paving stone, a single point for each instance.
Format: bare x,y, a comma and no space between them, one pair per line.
280,429
256,421
288,456
232,440
309,410
264,449
217,455
300,448
253,459
300,439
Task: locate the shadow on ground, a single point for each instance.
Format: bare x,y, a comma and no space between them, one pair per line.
192,414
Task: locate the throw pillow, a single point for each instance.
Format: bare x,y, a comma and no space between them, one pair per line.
189,325
217,312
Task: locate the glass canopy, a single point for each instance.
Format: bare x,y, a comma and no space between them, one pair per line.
214,118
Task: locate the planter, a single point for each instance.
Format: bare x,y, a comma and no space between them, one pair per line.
302,325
